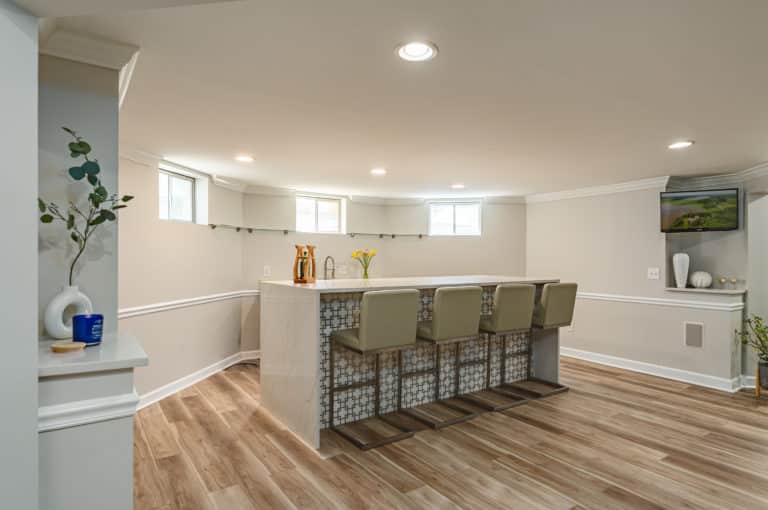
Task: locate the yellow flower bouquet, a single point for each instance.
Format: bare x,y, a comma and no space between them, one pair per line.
364,257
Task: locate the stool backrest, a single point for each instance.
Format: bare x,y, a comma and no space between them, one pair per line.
513,307
456,312
388,318
557,303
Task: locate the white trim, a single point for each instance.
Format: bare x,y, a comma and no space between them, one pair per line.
124,79
708,381
188,380
88,49
641,184
250,355
125,313
84,412
748,381
676,303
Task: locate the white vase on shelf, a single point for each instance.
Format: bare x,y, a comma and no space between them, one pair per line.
701,280
53,317
681,262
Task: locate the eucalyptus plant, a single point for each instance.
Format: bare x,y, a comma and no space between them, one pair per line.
756,336
82,220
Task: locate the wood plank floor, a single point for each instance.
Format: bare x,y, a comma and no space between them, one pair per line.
616,440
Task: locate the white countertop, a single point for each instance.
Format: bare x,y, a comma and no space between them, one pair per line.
116,351
409,282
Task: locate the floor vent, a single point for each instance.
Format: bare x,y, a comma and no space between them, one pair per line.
693,334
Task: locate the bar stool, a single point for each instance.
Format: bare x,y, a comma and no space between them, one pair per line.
455,318
388,321
512,313
554,311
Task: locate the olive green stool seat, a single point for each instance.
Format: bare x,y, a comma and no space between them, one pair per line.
388,320
554,310
512,313
455,319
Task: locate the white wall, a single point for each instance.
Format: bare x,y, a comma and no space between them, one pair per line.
166,261
18,258
606,243
84,98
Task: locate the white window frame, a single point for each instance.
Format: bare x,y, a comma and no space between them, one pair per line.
453,204
317,200
176,175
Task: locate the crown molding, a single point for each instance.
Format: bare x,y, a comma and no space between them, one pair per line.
608,189
88,49
140,157
754,172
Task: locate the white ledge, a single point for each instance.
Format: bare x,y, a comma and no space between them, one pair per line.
84,412
135,311
116,352
724,292
720,306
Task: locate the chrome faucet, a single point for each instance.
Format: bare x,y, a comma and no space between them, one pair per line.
325,268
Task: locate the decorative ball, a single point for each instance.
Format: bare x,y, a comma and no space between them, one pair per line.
701,279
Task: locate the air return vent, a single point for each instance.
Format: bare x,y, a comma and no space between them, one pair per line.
693,333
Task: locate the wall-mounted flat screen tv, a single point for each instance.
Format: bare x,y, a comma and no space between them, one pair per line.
700,211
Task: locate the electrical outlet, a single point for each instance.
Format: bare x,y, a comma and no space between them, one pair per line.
267,271
654,273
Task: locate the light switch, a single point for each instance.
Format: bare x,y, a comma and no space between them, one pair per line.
267,271
653,273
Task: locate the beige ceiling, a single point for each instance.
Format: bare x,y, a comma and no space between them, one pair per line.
525,96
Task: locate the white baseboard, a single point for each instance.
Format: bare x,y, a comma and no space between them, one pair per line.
747,381
188,380
250,355
708,381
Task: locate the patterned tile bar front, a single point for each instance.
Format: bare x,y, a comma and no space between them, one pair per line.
342,310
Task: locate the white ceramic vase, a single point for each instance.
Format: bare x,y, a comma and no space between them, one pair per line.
53,318
701,280
681,262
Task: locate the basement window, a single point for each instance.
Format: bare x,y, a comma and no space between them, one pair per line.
177,196
320,215
455,219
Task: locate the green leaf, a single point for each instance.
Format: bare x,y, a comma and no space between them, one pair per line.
74,154
102,192
70,222
74,237
115,207
91,167
108,215
98,220
77,172
69,131
80,147
93,180
127,198
46,218
41,204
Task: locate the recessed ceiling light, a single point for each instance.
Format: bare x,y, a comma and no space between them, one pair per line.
682,144
378,171
417,51
457,186
244,158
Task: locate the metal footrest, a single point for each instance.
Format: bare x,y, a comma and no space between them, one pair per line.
491,400
372,432
531,388
441,413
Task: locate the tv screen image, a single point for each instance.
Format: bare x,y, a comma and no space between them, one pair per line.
700,211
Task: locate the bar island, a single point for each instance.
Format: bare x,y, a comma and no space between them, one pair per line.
296,324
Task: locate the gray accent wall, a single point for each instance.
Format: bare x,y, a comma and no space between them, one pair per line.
18,258
84,98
